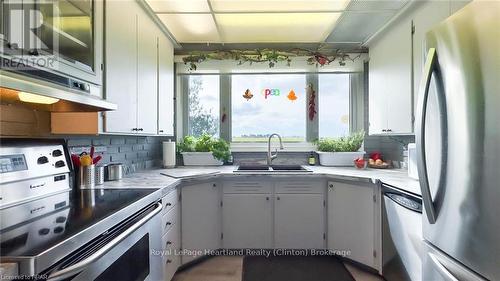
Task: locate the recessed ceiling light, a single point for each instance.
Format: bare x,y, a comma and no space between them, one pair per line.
192,28
278,5
276,27
179,6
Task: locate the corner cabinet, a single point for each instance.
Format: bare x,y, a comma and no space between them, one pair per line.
138,72
354,221
200,220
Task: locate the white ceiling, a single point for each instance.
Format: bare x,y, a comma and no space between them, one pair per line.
274,21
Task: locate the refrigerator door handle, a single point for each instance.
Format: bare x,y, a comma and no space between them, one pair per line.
441,269
429,67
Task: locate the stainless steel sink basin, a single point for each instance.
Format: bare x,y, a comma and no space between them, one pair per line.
273,168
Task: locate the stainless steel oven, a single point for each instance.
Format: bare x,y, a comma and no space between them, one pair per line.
54,40
123,253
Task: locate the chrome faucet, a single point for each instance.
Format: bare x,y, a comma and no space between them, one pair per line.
270,156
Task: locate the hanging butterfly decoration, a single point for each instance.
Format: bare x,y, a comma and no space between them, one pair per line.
312,101
248,95
291,96
224,115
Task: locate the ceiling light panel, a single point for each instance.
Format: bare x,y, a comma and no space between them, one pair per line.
179,6
191,28
278,5
276,27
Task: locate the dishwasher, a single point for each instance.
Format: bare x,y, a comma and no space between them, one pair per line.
401,235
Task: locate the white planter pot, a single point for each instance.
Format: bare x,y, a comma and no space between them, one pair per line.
339,158
200,159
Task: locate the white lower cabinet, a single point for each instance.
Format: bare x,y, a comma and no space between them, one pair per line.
299,221
247,221
200,220
352,212
171,246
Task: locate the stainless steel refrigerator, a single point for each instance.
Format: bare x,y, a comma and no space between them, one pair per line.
458,142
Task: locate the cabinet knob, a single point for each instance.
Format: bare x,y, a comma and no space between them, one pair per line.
169,243
330,185
384,130
214,185
278,198
134,129
140,129
168,223
267,198
389,130
161,131
168,204
169,261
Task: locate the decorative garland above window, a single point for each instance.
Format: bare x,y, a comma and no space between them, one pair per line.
270,56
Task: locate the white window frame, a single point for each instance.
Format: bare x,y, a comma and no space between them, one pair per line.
356,114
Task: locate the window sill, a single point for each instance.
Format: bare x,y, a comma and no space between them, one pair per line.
262,147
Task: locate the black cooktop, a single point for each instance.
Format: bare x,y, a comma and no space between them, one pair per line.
70,213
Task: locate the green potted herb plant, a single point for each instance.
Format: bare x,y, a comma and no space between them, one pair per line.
204,150
340,151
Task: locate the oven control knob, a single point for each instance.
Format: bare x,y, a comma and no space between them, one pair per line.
60,219
44,231
42,160
58,229
57,153
60,164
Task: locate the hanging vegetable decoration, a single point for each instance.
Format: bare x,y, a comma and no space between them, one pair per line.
269,56
291,96
312,102
248,95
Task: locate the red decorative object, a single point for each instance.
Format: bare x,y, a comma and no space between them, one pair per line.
312,102
224,115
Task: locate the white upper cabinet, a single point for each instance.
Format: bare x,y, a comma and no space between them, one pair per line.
139,72
147,73
165,86
390,82
120,67
395,68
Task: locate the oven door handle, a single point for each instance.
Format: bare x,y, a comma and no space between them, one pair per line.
80,266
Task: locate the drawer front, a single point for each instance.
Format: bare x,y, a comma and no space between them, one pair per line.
170,219
170,265
170,200
247,186
171,241
300,187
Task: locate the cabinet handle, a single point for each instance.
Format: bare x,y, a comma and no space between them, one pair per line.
134,129
169,243
140,129
384,130
214,185
161,131
168,223
169,261
267,198
278,198
168,204
389,130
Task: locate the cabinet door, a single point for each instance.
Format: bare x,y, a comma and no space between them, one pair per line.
247,221
147,75
351,213
299,221
165,86
200,218
121,66
390,98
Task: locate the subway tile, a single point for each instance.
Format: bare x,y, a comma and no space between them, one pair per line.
137,147
117,140
79,142
124,148
131,140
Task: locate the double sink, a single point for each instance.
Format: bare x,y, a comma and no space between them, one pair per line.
272,168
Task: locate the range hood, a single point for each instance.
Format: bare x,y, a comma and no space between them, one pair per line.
61,99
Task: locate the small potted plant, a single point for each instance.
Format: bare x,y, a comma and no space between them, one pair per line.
205,150
340,151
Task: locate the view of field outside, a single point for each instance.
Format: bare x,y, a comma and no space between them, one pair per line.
272,109
333,104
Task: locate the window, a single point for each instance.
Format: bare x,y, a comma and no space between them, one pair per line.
333,102
278,105
203,105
